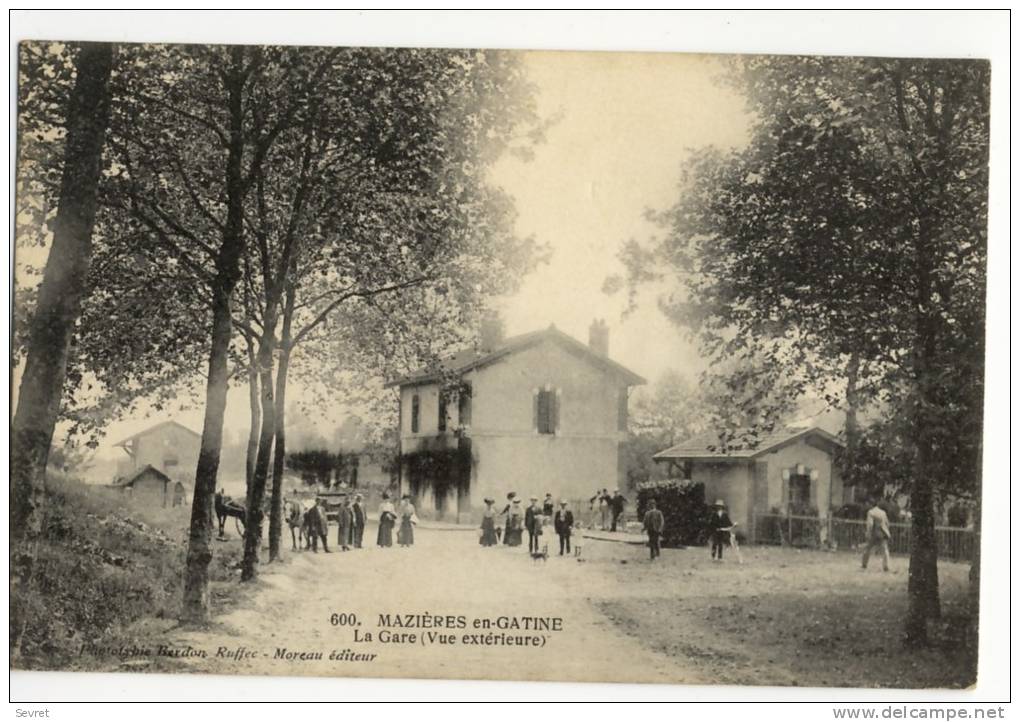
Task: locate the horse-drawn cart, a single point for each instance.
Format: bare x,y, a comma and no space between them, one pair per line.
229,508
332,501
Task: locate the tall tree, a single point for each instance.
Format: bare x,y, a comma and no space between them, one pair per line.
63,285
194,130
59,297
379,195
848,239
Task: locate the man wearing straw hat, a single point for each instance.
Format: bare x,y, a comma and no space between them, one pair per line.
719,525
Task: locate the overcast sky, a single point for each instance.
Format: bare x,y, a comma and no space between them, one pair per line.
628,120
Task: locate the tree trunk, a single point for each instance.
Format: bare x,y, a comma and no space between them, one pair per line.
62,288
256,416
57,311
974,596
923,583
280,450
257,488
852,428
228,270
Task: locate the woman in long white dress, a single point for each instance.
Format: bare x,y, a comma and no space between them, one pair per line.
405,535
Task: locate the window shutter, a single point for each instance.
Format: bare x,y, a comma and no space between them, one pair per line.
554,402
621,410
534,410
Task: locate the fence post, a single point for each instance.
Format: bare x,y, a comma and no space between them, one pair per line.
789,529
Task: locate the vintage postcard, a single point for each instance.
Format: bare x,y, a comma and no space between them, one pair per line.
502,365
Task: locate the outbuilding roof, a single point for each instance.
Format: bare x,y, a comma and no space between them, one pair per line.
148,469
707,447
157,427
471,358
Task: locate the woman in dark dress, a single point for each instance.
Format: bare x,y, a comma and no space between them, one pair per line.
515,524
386,518
506,511
488,538
405,535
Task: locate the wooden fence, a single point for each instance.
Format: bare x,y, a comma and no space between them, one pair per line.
954,543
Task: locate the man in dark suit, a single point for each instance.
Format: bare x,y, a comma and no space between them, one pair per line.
532,523
547,505
617,503
358,511
563,523
318,526
654,523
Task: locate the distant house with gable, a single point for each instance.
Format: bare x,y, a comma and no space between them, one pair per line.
790,469
169,447
536,413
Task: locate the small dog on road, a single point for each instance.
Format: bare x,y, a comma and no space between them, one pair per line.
542,555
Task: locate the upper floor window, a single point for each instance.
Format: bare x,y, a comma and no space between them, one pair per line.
415,408
546,405
442,411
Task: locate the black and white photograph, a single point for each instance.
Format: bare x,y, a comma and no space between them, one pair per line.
481,363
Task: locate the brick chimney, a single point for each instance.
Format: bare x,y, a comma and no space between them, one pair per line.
598,337
491,331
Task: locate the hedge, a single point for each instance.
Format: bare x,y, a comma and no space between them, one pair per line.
683,507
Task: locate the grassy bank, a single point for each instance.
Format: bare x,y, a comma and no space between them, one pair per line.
106,571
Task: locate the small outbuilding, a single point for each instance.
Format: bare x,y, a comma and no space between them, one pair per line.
152,487
791,470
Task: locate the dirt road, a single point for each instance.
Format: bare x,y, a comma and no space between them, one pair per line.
286,628
785,617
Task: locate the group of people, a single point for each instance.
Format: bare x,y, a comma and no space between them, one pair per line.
531,519
719,528
309,525
607,509
390,516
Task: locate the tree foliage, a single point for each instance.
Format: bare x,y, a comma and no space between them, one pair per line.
853,223
669,412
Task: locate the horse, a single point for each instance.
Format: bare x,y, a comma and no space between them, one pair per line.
295,515
227,507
